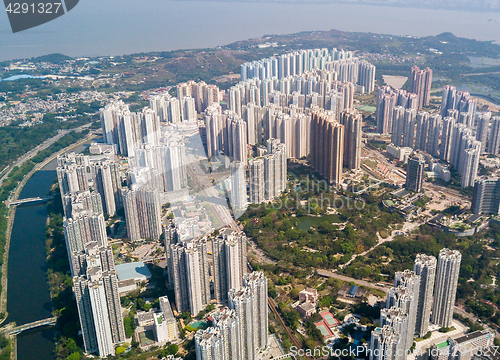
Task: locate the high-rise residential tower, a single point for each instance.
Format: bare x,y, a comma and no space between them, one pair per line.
420,84
415,173
486,196
494,137
425,267
230,262
257,182
352,122
98,301
445,288
142,213
483,123
327,147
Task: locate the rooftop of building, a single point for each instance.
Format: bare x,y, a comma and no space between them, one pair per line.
167,309
136,270
474,218
310,290
307,306
472,336
443,344
401,193
144,317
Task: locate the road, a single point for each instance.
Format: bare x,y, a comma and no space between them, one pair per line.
331,274
458,310
33,152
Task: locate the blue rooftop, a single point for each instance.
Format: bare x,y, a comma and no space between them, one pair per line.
132,271
353,290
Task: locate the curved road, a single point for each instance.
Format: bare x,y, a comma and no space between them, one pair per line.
33,152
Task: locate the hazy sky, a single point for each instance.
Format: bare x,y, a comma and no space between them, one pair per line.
114,27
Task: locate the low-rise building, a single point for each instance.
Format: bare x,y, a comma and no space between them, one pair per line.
306,310
308,294
464,347
131,275
165,325
399,153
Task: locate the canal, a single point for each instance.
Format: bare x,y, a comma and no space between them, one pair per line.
28,294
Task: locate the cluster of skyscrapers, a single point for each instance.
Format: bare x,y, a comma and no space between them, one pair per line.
458,135
268,174
318,88
278,99
420,84
335,144
387,99
199,278
295,63
95,282
240,331
191,271
192,98
419,297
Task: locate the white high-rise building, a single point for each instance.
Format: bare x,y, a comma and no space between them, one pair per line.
81,200
422,130
494,138
103,182
209,345
238,138
226,322
243,303
397,319
257,283
397,125
425,267
409,127
81,229
98,302
257,181
230,262
470,165
198,283
189,275
142,213
188,109
238,195
72,173
435,125
405,295
483,124
215,125
384,344
302,131
445,289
